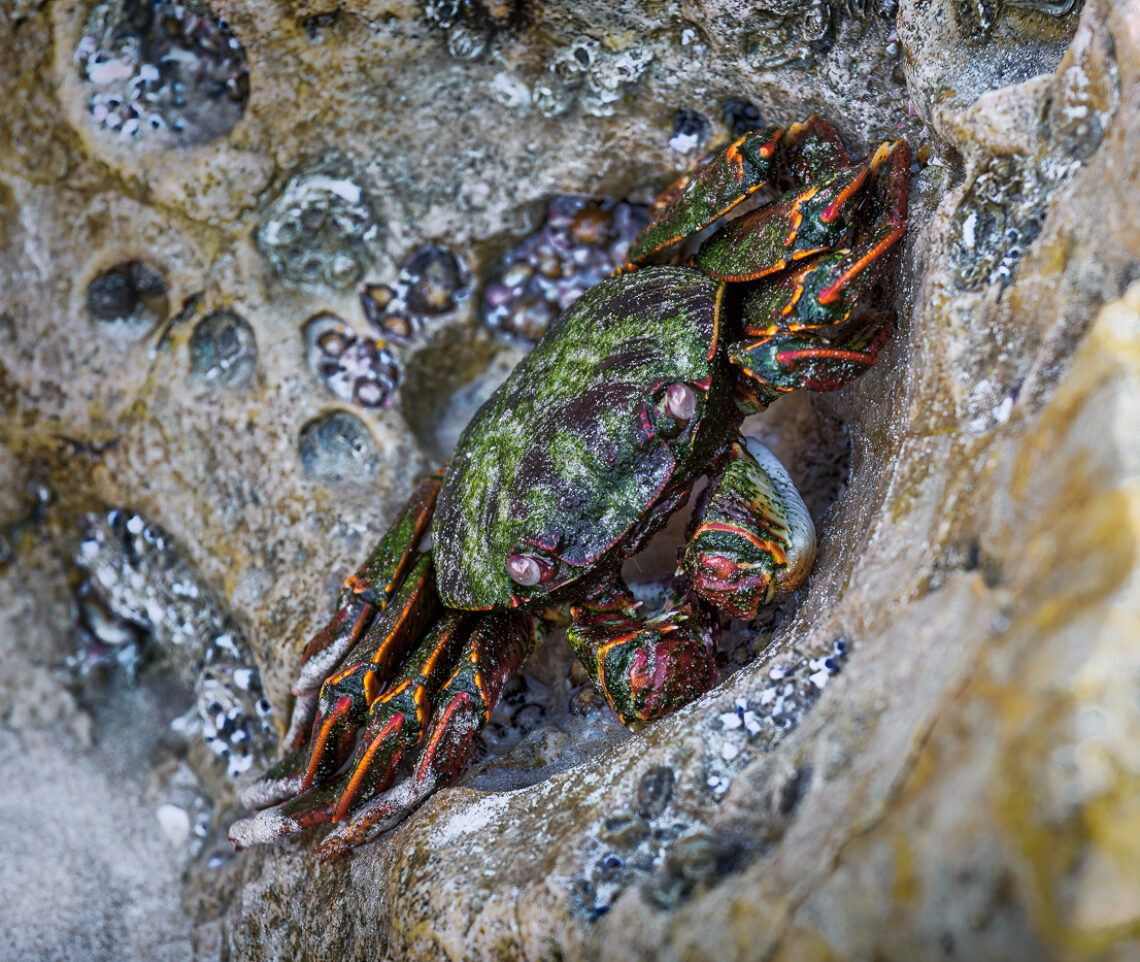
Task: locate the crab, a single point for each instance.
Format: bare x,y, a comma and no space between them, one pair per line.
593,442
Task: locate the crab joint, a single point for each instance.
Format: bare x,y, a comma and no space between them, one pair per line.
528,570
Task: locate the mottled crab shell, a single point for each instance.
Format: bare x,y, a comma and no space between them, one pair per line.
567,460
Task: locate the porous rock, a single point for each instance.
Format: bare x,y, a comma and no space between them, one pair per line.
959,783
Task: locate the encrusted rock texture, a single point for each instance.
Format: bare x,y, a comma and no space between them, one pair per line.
243,265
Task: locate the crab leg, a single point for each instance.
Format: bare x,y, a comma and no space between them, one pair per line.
754,537
367,592
396,721
823,293
787,361
645,667
496,648
695,200
824,290
346,698
803,222
812,148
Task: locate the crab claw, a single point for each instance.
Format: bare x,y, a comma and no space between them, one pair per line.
645,666
754,538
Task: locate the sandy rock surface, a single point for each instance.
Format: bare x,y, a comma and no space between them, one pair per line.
241,311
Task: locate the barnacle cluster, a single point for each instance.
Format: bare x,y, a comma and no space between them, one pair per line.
784,32
128,300
653,843
591,76
319,229
164,72
140,592
471,26
758,721
354,367
582,240
432,281
1000,216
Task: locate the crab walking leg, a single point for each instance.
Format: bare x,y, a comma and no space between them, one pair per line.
645,667
696,200
824,290
785,362
805,221
754,538
397,719
812,148
782,355
494,652
346,698
366,592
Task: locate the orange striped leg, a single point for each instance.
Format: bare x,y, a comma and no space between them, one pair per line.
494,651
397,718
786,361
345,698
367,592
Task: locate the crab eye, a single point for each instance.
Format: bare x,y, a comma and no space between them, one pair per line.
527,570
681,401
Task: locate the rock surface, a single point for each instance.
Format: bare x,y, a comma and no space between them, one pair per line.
183,338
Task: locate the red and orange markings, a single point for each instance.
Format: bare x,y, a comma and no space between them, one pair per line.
445,639
423,705
831,293
790,358
395,634
735,159
340,709
372,688
773,548
790,306
333,680
453,676
395,723
431,751
797,215
754,275
831,211
770,148
336,627
393,692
